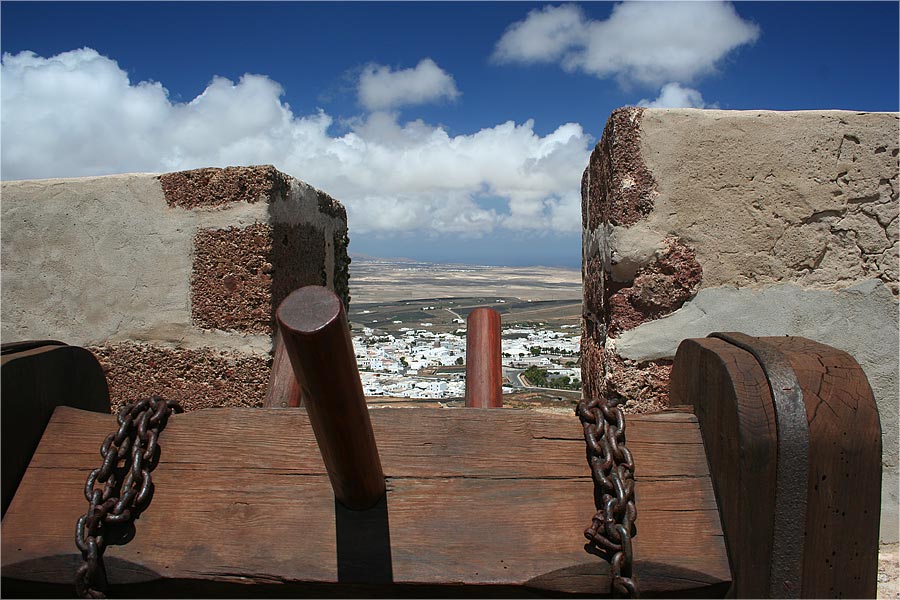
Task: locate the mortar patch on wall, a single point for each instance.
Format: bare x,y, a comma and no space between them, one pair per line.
658,289
214,186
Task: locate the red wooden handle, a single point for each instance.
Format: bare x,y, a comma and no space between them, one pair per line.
317,338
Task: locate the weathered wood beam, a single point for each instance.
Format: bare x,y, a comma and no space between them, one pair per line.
283,390
478,503
835,546
316,336
37,376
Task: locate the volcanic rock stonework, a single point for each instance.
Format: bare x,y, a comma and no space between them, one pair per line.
171,280
769,223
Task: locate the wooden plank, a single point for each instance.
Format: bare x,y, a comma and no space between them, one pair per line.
35,380
403,402
475,498
844,487
283,390
417,443
734,405
27,345
731,398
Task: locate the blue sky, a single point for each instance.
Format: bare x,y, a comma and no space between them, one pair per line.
451,131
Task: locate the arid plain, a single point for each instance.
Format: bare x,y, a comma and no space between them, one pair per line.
390,280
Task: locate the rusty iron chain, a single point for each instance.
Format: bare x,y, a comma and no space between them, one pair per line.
612,468
127,487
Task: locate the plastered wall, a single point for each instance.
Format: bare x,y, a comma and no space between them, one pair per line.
171,280
770,223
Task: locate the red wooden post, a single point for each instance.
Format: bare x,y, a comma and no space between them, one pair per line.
283,391
317,338
483,366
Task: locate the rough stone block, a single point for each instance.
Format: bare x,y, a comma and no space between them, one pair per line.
770,223
172,280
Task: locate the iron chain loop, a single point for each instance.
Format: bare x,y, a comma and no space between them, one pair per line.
127,487
612,468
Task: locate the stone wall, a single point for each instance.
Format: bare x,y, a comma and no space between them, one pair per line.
171,280
769,223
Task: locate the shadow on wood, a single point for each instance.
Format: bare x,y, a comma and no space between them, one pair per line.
363,543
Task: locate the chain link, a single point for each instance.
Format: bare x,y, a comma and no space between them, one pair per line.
134,445
612,468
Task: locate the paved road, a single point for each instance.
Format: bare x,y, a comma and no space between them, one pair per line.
449,310
518,382
514,376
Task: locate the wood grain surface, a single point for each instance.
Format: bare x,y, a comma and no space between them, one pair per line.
844,487
316,336
38,376
733,402
484,369
283,390
478,503
734,406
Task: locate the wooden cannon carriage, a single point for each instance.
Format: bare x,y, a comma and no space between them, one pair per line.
763,480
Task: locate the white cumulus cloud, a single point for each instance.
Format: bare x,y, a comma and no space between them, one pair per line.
648,43
546,35
381,88
77,113
675,95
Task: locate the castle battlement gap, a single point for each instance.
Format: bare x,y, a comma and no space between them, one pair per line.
768,223
783,226
171,280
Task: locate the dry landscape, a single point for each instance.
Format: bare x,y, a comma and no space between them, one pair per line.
378,280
